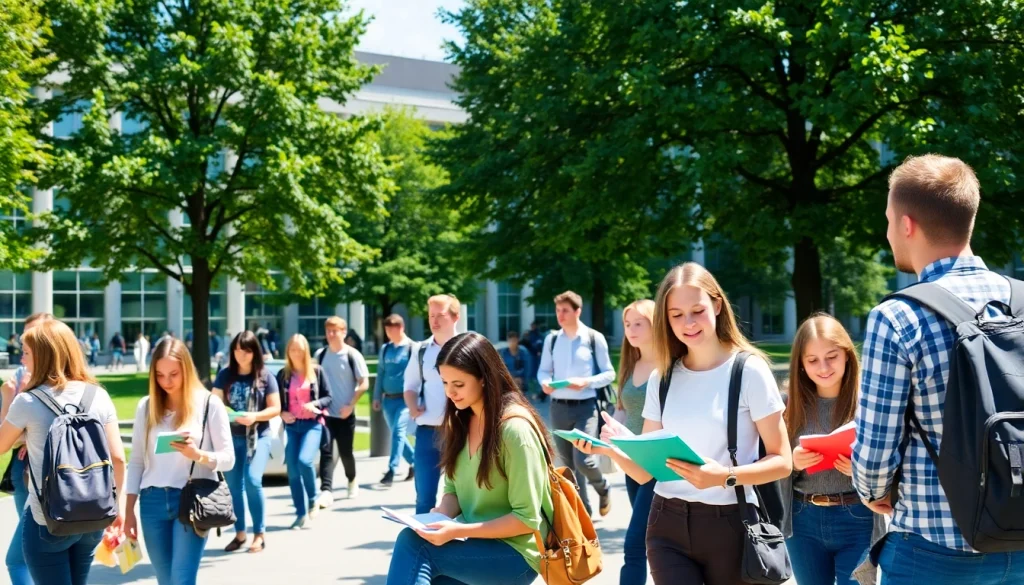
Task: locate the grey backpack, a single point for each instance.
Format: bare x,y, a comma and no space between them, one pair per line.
77,493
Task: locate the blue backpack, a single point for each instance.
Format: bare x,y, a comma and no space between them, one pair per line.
77,495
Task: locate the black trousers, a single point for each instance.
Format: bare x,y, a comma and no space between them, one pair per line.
690,543
340,431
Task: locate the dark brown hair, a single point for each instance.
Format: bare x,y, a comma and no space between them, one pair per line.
570,298
940,193
473,354
247,341
394,320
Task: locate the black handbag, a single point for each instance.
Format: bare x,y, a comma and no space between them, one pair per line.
205,503
765,558
6,482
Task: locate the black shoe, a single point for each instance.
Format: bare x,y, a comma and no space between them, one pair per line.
388,479
412,473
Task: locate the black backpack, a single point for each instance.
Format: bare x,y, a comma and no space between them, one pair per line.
77,494
981,461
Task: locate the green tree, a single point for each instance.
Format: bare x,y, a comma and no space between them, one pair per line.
419,242
23,60
195,80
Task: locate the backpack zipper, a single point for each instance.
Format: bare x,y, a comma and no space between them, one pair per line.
103,463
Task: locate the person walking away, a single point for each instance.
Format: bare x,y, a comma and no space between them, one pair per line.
388,394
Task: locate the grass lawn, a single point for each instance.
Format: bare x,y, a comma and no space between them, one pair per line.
778,352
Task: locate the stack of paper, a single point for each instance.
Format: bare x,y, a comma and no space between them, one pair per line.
651,450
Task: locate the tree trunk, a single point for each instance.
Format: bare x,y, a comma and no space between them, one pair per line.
806,278
200,293
597,305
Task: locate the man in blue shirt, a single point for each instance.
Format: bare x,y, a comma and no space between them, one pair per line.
517,360
577,355
389,392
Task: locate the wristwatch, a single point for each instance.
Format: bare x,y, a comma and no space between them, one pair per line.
730,480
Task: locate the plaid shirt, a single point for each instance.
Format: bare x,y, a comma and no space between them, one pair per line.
908,346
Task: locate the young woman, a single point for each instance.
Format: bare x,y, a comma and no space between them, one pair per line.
696,338
251,391
177,401
495,473
828,529
304,394
57,366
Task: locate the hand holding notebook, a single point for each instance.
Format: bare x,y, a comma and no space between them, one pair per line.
652,450
830,446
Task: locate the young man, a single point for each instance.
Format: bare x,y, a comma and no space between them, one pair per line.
931,208
389,393
348,378
425,397
577,354
517,360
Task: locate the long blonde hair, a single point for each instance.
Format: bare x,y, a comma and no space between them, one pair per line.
176,350
57,357
630,355
306,367
803,392
667,347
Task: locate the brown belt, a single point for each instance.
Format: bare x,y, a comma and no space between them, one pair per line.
828,499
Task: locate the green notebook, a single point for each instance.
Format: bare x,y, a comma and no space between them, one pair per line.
164,440
652,449
576,434
559,384
233,415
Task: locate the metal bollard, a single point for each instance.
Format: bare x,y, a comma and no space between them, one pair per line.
380,434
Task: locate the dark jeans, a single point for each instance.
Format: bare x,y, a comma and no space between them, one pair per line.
428,468
582,415
57,560
828,542
689,543
634,549
909,559
343,432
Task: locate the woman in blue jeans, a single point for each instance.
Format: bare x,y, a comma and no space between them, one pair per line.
251,391
177,402
304,394
828,530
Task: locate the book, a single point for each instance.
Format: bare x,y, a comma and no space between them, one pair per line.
559,384
651,450
233,414
164,440
576,434
831,446
416,521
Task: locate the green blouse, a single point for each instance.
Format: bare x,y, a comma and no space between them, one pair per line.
525,493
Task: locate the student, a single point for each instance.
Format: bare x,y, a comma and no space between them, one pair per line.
117,349
932,204
58,369
496,480
16,567
348,378
305,394
388,394
94,348
177,401
252,391
695,334
578,354
517,360
828,530
141,351
424,395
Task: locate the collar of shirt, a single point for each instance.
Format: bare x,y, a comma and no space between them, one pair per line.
944,266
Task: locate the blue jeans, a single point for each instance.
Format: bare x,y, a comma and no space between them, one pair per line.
909,559
396,413
174,549
634,549
16,566
428,469
828,542
248,474
475,561
303,445
57,560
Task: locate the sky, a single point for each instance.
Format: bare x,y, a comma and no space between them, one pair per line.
406,28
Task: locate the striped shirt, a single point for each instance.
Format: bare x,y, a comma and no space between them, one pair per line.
909,346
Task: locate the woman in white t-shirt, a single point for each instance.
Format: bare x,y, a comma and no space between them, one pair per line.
177,402
695,530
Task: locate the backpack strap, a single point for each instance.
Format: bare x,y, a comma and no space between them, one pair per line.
422,351
663,386
939,300
206,415
320,355
551,470
735,386
352,367
47,401
87,397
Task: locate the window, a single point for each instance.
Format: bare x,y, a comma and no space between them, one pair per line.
70,121
78,301
262,310
15,303
218,309
144,306
312,314
15,216
509,309
469,310
771,316
545,317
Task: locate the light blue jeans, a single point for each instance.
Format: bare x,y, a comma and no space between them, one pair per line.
428,469
303,445
909,559
57,560
476,561
174,549
396,413
828,542
16,566
245,482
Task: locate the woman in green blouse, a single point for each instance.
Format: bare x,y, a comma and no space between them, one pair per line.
496,479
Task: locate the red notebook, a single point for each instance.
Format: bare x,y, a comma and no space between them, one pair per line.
838,442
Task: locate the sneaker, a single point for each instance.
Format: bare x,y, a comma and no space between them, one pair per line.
299,523
325,500
605,504
353,490
388,479
314,509
412,473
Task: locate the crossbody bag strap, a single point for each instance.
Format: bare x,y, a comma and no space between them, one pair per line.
202,439
735,385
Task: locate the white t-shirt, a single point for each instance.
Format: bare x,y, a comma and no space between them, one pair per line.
696,411
434,400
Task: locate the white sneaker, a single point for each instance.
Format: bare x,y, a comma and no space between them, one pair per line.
314,509
353,490
325,500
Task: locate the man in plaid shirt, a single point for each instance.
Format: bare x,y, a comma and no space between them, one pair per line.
932,204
